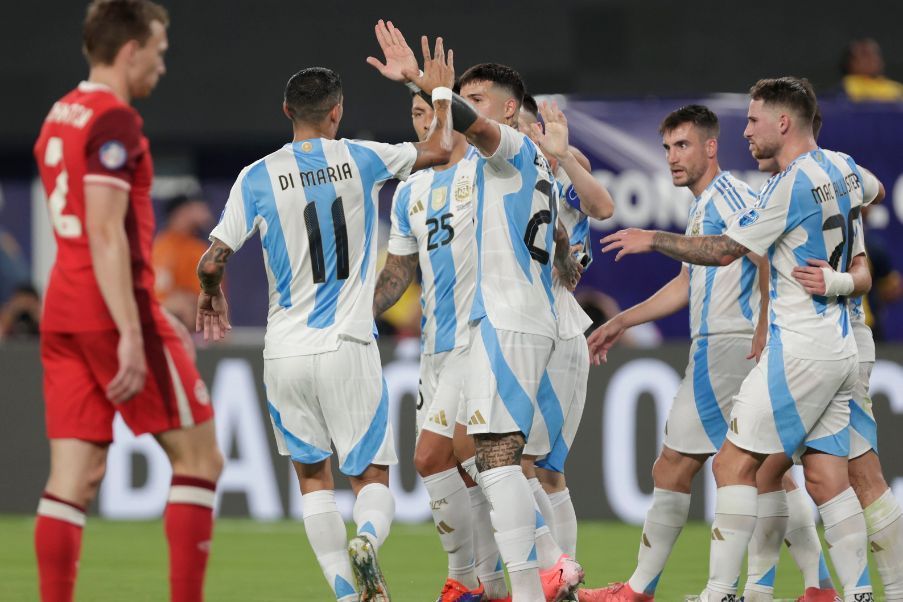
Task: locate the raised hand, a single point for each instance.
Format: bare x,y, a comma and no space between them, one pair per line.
553,140
398,55
438,68
628,242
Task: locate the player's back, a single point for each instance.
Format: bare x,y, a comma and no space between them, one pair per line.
314,203
515,215
91,137
723,300
826,192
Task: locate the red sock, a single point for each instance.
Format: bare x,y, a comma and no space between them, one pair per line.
58,542
189,527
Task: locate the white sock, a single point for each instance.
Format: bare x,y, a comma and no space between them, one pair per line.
547,549
803,542
450,504
735,519
328,538
470,467
885,533
373,512
664,522
847,542
765,545
564,522
514,520
486,552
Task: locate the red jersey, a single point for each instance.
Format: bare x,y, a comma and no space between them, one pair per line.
91,136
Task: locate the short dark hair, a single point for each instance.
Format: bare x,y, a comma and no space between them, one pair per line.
500,75
111,24
312,93
699,115
529,105
795,93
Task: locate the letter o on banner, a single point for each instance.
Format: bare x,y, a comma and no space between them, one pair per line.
619,419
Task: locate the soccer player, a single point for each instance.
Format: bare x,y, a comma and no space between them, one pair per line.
314,202
563,388
106,345
432,227
798,394
727,331
513,322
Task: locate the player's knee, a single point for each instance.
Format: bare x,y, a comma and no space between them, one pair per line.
429,460
674,471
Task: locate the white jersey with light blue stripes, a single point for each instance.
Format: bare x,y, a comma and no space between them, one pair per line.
723,300
432,215
572,320
517,203
314,203
808,211
865,341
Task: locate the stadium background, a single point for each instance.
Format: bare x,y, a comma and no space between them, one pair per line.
620,67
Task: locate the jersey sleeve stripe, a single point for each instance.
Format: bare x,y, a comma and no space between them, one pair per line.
108,181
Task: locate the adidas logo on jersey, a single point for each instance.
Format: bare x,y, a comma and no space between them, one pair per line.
439,418
416,208
476,418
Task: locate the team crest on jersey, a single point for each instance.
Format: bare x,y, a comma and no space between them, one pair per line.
438,200
463,189
113,155
697,222
201,393
749,218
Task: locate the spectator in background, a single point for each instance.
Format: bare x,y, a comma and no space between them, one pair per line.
21,314
13,267
863,73
177,250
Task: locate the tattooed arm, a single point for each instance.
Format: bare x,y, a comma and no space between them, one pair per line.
394,279
213,310
698,250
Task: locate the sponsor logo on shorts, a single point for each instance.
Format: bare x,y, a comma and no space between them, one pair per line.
113,155
439,418
476,418
734,428
201,393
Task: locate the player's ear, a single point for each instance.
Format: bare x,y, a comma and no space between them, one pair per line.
511,110
335,115
128,51
783,123
286,111
711,147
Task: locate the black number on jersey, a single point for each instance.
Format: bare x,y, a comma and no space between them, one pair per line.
434,225
315,241
543,216
847,232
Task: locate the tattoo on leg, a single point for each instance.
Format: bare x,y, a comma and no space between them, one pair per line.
494,451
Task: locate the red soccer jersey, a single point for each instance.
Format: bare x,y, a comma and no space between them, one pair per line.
91,136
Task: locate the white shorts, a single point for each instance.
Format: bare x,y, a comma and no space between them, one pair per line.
863,428
338,397
563,391
504,369
787,402
697,422
442,378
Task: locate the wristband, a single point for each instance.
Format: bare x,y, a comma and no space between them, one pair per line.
837,284
414,88
442,93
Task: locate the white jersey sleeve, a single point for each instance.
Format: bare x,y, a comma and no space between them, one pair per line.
393,160
402,240
510,144
239,220
759,227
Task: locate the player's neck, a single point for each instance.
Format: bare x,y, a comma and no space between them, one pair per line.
793,149
303,131
112,78
458,152
702,183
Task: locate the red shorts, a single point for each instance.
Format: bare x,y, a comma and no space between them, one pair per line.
78,366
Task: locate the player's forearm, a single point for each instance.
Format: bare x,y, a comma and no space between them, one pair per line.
111,261
717,250
669,299
393,281
212,267
595,201
764,286
862,276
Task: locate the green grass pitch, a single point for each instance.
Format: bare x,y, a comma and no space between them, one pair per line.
126,562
